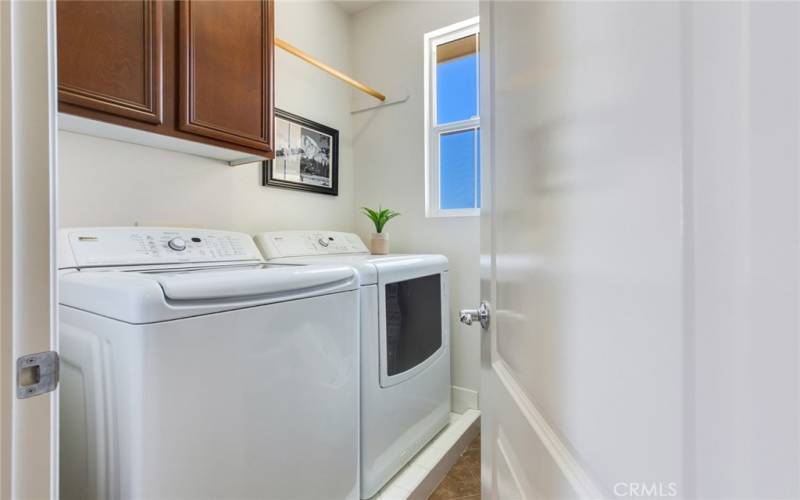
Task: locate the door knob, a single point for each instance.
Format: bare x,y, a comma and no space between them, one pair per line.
467,316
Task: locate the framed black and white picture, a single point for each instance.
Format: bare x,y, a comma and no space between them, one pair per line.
306,156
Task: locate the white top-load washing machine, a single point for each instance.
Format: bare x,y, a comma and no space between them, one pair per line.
405,355
192,370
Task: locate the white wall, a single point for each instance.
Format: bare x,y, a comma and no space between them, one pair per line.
105,182
387,53
743,239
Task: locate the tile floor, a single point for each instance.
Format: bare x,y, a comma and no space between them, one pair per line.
463,482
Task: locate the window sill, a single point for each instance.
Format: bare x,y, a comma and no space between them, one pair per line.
456,212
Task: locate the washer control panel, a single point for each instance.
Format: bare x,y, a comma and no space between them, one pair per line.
123,246
279,244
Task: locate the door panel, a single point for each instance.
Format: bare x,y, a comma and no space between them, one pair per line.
520,438
588,290
110,57
509,473
585,149
221,96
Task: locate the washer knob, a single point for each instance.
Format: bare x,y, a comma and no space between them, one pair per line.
177,244
323,242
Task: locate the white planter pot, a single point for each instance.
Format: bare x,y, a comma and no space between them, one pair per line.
379,244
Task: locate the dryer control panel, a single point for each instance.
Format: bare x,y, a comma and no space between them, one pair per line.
308,243
136,246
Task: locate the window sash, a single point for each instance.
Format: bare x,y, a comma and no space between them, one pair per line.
472,29
436,209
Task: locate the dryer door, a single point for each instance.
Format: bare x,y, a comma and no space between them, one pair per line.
414,322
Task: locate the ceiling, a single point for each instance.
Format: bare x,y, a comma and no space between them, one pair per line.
353,6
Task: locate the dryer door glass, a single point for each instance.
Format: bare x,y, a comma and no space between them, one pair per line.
413,322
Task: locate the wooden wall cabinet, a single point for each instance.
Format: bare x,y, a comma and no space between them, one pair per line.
111,57
225,71
199,70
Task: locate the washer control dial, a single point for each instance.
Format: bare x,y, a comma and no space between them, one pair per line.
323,242
177,244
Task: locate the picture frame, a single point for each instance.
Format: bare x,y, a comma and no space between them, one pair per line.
306,156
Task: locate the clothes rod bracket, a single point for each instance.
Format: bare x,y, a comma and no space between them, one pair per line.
382,105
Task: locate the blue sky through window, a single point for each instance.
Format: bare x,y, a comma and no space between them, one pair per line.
457,99
457,89
457,153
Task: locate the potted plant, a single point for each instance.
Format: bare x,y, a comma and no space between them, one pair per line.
379,242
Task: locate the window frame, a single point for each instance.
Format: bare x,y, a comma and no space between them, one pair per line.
433,131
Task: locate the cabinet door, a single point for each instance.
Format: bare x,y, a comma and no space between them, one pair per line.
225,57
110,57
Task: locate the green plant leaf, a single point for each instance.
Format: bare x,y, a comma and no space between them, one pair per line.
380,217
370,213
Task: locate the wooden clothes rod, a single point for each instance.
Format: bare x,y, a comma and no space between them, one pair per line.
324,67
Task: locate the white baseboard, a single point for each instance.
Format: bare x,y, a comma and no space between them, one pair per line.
463,399
464,431
418,479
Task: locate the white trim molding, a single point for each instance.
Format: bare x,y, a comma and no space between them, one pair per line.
569,465
28,292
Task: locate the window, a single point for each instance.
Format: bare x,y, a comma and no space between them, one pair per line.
452,121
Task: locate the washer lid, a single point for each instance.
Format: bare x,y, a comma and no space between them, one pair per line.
234,284
149,297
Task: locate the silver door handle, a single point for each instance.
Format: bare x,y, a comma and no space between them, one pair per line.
467,316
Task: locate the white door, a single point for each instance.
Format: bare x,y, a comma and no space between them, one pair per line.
581,377
640,250
28,430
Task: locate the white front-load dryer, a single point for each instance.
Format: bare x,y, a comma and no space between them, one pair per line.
192,370
405,355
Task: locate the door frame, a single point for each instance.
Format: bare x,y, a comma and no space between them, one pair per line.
28,224
487,253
